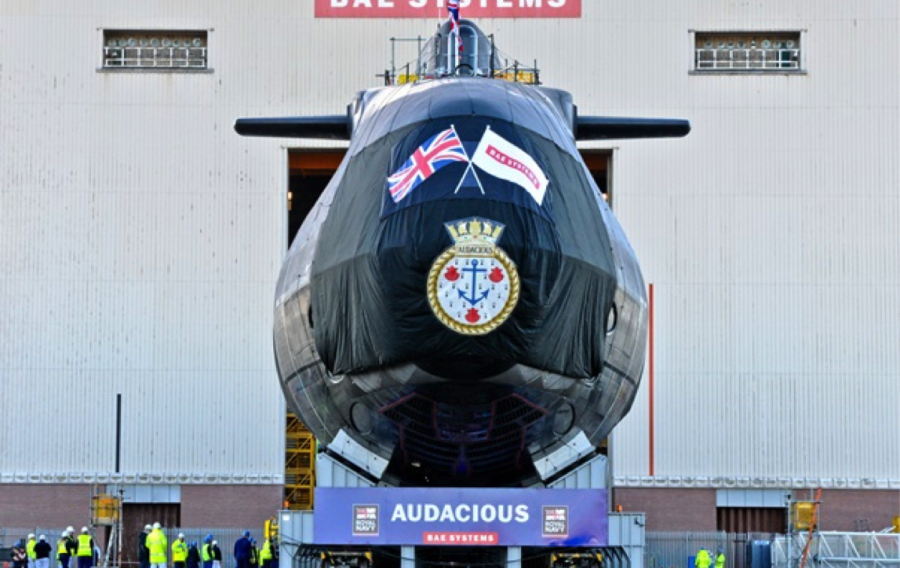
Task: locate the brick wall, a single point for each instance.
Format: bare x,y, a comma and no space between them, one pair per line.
238,506
671,509
50,506
53,506
845,509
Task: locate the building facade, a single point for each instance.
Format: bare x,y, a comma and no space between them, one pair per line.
141,240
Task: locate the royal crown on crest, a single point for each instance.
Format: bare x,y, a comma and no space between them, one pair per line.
470,234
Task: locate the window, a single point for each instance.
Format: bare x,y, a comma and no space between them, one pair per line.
153,49
754,52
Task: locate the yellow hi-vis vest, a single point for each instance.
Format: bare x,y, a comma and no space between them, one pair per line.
29,549
84,546
179,551
156,543
206,552
266,553
61,548
720,561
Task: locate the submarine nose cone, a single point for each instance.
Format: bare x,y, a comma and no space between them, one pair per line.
465,254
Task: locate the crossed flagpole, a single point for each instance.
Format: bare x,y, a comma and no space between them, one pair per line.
470,165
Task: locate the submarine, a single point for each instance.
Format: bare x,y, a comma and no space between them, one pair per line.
460,307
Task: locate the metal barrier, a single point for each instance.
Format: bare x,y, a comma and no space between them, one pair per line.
838,550
674,549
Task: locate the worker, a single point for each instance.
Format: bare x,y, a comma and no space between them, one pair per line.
158,547
42,552
265,555
85,551
143,551
61,551
19,555
216,555
193,557
254,554
702,560
242,550
720,559
29,550
206,552
71,544
179,552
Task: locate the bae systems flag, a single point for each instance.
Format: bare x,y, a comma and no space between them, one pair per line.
431,8
503,159
463,517
438,151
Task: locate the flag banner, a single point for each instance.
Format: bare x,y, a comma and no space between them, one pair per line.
430,8
453,8
503,159
406,186
440,150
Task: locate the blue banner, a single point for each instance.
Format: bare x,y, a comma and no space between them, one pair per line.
463,517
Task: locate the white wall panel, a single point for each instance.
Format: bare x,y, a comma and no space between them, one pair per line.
770,236
140,238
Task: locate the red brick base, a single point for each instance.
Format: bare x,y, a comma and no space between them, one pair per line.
670,509
227,506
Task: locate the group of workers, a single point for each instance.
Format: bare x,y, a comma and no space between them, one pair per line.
152,551
704,559
36,551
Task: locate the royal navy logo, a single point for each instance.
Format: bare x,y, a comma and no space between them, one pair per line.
473,286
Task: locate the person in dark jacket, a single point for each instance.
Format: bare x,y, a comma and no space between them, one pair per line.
71,543
42,552
216,554
143,551
193,559
19,555
254,554
242,551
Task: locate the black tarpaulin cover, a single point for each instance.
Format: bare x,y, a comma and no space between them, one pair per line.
368,285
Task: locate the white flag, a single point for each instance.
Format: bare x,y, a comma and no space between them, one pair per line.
503,159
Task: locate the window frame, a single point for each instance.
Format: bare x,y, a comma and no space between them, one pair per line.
108,34
801,35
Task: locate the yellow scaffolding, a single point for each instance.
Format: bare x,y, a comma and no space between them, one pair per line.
299,465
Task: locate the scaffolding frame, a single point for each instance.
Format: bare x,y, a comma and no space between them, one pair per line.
838,550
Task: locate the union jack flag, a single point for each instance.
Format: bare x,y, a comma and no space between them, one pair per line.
440,150
453,8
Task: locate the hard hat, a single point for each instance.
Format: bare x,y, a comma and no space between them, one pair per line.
148,528
42,537
246,533
180,535
69,529
64,533
207,538
215,542
157,526
30,536
84,530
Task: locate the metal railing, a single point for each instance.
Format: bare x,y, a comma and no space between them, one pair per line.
154,57
674,549
838,550
753,58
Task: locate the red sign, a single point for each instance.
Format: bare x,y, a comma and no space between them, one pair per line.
438,9
461,538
